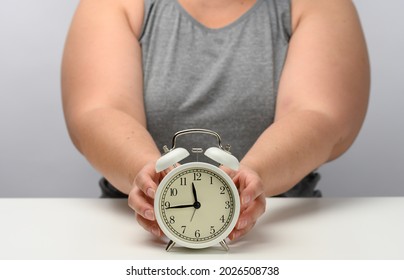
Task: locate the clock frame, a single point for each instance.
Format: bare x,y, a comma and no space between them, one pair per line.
197,204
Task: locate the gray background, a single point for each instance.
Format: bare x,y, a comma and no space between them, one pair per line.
37,158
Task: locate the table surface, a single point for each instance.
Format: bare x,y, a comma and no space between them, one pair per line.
291,228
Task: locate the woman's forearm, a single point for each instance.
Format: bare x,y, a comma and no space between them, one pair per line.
114,143
291,148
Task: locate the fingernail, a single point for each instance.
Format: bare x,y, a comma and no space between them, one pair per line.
246,199
148,214
236,235
150,192
242,224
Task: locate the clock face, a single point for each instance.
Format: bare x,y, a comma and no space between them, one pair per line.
197,205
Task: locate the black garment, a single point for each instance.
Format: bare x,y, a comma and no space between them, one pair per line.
305,188
109,191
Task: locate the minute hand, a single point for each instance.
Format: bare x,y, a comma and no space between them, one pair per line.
181,206
194,192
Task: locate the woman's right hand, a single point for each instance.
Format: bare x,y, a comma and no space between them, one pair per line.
141,197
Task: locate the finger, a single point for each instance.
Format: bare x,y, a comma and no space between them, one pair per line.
232,173
141,204
251,214
149,226
237,234
146,181
250,189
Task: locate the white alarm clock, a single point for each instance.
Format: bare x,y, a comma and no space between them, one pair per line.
196,204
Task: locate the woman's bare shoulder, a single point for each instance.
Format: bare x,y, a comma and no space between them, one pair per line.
304,9
104,10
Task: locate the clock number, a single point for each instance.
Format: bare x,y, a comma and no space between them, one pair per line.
211,180
167,204
172,220
197,176
227,205
212,229
197,233
183,181
222,219
183,229
173,191
222,189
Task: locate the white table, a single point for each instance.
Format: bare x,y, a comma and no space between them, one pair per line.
292,228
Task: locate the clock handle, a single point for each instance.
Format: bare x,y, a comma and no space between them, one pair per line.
222,157
194,131
171,158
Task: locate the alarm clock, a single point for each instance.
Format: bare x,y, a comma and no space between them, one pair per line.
197,204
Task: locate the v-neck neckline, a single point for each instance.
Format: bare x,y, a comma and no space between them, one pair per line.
225,27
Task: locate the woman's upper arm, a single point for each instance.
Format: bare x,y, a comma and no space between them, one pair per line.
327,68
102,60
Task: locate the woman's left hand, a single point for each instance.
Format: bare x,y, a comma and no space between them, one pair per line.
252,198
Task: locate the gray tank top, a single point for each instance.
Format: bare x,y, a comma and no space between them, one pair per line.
222,79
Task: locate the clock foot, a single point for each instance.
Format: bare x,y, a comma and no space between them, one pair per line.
224,245
170,245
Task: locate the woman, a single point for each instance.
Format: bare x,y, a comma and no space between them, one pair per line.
286,83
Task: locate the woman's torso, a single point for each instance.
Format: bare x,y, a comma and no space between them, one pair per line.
223,79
